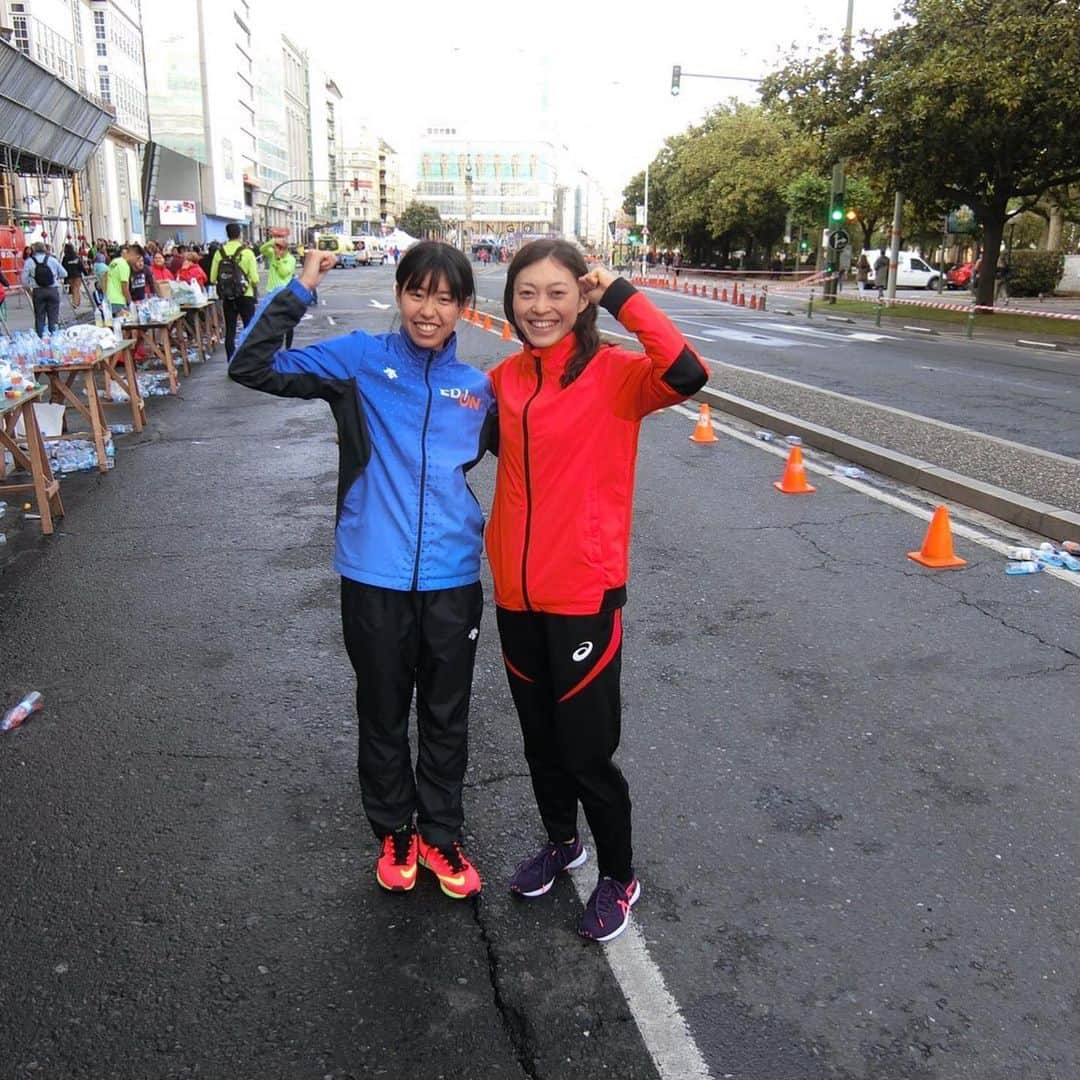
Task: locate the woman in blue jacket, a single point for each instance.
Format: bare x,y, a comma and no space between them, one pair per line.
412,420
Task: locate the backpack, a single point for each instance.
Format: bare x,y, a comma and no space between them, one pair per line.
43,276
232,283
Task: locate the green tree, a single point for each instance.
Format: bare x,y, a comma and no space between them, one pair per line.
721,183
420,219
970,101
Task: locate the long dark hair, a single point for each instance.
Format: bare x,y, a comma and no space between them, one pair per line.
567,256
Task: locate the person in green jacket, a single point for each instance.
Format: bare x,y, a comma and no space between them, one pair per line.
234,300
280,268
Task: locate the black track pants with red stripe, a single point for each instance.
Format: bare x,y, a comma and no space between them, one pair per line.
564,673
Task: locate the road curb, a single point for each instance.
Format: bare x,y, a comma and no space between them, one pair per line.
1039,517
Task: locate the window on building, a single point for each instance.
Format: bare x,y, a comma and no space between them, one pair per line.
104,87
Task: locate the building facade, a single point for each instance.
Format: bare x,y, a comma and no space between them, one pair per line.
95,46
488,189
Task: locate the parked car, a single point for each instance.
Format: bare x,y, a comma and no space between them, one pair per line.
912,271
959,277
346,260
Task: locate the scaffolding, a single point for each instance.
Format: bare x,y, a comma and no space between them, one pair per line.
49,131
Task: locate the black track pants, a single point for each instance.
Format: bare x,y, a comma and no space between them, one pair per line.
398,641
564,673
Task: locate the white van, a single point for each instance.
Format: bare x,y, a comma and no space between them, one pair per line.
912,271
369,250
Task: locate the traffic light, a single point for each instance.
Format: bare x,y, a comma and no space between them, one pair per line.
355,184
836,210
804,245
676,78
852,215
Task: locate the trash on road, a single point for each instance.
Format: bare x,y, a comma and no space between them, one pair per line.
30,704
1043,556
1028,566
793,440
765,436
853,472
1071,546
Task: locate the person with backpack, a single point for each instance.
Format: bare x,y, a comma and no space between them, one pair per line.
41,277
235,273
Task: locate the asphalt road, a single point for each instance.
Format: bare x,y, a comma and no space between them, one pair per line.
855,787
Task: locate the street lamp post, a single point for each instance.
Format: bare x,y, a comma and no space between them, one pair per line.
645,226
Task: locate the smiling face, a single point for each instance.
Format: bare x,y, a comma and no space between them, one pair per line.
547,301
429,312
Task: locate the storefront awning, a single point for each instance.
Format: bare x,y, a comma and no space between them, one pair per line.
46,126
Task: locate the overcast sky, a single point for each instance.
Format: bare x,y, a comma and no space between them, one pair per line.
477,65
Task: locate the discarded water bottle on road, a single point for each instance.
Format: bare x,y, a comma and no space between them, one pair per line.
765,436
1022,553
1070,562
1028,566
18,713
1071,546
853,472
793,440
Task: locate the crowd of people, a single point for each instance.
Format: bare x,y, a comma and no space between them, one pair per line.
110,276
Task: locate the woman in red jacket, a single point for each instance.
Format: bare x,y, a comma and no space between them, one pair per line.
569,414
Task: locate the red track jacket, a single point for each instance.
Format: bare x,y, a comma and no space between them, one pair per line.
559,536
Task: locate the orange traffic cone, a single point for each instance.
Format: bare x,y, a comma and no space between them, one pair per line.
723,295
742,298
937,550
715,295
487,322
506,335
735,293
794,481
753,302
704,433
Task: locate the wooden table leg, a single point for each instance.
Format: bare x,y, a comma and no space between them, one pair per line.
97,420
46,487
167,356
138,408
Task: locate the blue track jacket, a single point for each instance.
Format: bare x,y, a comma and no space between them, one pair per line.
411,422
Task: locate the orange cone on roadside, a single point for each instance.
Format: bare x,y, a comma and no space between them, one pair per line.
753,301
723,295
715,294
735,292
794,481
487,322
506,335
704,433
937,550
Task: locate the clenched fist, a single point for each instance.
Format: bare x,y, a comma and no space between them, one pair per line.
316,265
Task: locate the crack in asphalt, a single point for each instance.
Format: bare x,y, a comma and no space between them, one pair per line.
514,1022
498,778
1042,671
967,601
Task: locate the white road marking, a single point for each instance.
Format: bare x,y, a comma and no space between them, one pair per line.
865,335
999,547
377,304
663,1030
330,320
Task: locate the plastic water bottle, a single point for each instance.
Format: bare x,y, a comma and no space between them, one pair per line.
793,440
765,436
1028,566
1022,553
18,713
853,472
1070,562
